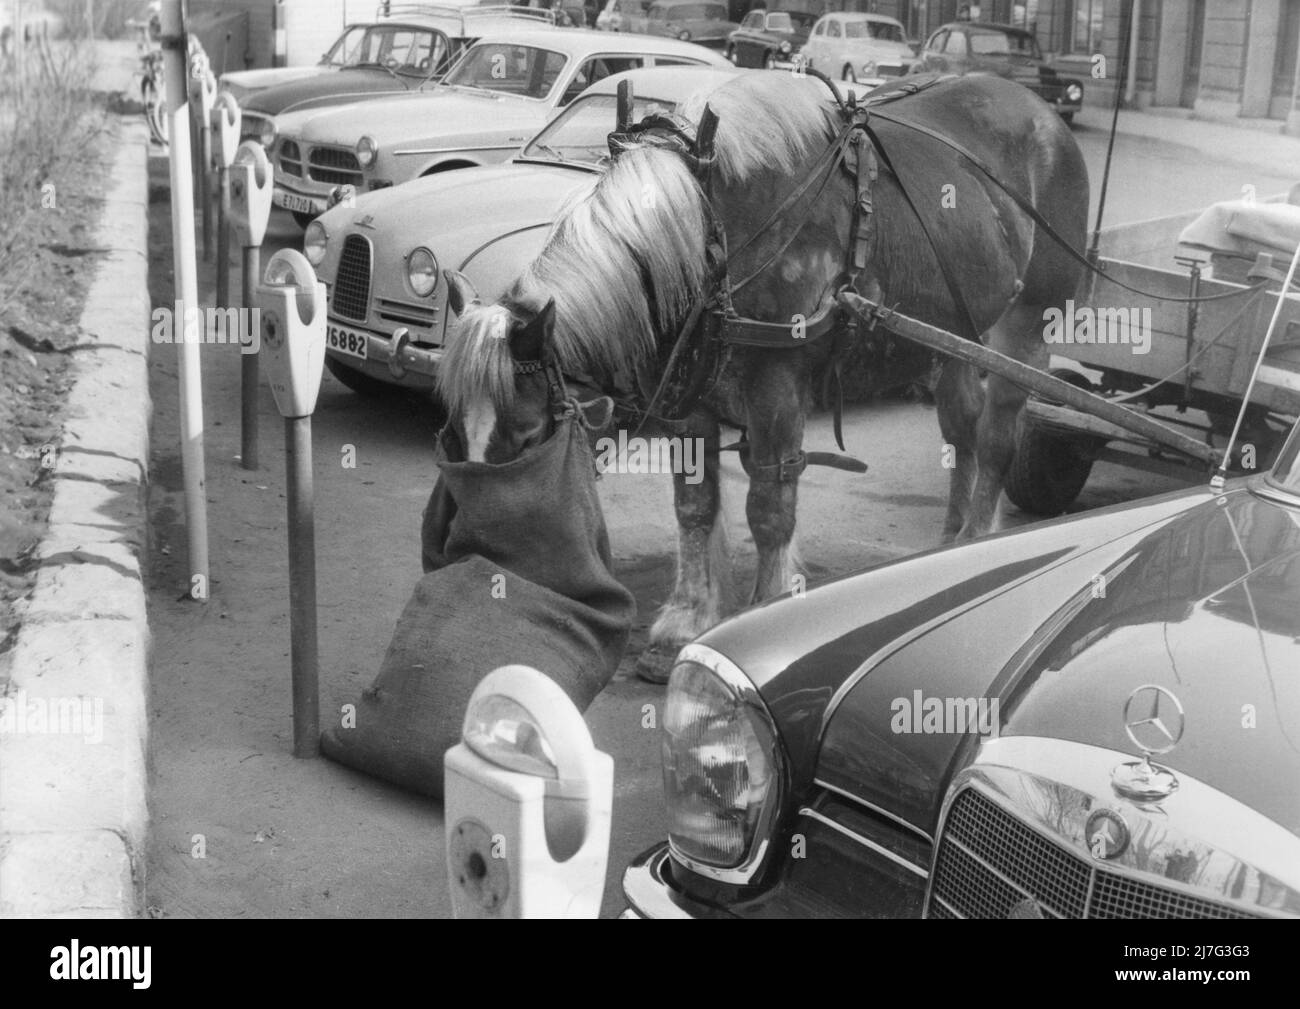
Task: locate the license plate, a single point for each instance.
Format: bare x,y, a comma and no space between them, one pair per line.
292,201
346,341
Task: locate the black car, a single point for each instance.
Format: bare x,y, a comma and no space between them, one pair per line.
1092,717
967,47
768,38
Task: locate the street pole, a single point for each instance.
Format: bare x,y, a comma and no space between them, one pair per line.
252,256
185,270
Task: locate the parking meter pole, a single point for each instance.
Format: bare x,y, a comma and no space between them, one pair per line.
248,380
302,587
187,295
205,186
291,302
250,207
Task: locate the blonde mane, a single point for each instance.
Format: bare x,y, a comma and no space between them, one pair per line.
626,256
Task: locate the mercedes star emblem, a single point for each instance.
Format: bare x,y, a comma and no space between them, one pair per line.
1154,720
1106,833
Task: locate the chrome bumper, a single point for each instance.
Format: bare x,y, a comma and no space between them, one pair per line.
651,894
392,359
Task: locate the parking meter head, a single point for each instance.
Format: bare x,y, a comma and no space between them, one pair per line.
225,129
291,306
251,183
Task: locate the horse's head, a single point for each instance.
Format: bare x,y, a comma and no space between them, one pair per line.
500,378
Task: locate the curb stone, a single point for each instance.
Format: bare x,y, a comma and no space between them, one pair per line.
73,809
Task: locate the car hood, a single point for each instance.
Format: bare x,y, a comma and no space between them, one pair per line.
516,197
324,87
407,119
246,82
1205,604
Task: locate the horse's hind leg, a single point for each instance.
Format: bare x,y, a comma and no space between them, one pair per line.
1016,334
703,565
959,398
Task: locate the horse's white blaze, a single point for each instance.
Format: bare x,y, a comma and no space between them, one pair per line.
480,422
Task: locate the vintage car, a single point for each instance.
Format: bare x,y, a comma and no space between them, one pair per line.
1096,716
865,48
702,21
498,95
391,56
967,47
381,259
768,38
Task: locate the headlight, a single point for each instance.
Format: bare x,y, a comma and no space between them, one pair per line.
720,758
314,241
266,133
366,150
422,272
785,47
1074,93
869,69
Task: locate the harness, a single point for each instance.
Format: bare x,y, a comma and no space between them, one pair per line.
712,328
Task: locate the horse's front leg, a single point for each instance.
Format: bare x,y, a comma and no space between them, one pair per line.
700,593
776,394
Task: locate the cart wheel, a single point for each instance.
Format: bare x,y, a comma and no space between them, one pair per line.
1049,470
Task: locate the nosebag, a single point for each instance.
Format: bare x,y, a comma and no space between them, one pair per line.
518,571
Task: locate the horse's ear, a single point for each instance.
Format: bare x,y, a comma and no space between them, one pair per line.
460,292
531,341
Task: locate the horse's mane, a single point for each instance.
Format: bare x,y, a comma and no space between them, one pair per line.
626,256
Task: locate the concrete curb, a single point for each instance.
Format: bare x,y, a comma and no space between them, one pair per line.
73,808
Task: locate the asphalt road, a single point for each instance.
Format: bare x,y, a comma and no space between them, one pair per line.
288,838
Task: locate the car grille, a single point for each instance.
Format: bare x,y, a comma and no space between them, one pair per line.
989,863
352,282
335,166
290,159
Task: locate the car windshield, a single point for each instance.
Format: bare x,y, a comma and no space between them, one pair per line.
403,50
782,21
1003,44
881,30
1286,471
508,69
581,133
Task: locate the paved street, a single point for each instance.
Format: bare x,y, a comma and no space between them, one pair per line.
287,838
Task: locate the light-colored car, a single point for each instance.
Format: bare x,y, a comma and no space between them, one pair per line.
701,21
409,48
866,48
502,91
382,259
623,16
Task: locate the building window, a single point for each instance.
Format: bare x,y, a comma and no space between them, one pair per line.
1085,34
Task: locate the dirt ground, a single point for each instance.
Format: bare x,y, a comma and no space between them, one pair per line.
40,314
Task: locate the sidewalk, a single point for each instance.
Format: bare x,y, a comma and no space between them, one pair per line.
1250,148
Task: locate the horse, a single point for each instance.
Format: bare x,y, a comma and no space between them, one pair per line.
629,260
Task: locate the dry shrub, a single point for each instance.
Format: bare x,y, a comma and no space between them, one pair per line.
44,128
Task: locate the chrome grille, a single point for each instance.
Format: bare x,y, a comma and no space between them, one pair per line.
351,295
290,159
988,861
335,166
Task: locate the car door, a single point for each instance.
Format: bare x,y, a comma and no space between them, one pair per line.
815,48
747,54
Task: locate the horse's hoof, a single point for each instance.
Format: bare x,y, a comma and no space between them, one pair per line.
655,663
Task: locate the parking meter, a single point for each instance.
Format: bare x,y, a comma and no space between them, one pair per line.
527,804
251,183
291,306
291,303
225,120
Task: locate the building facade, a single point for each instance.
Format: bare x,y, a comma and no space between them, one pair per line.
1222,60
